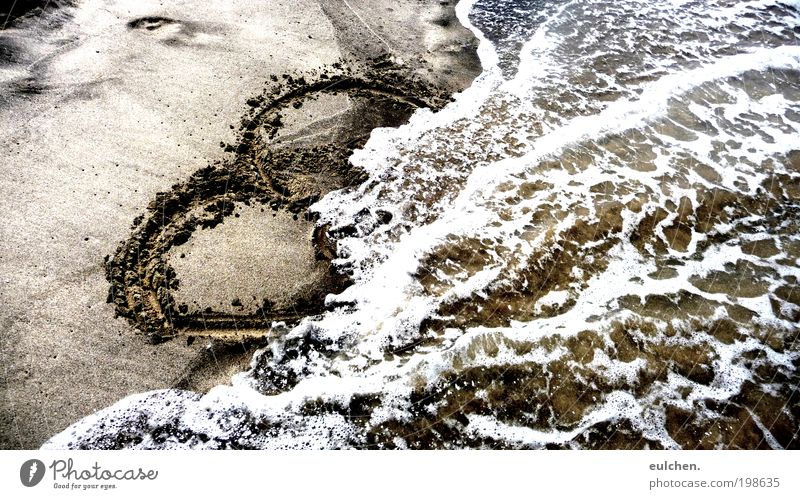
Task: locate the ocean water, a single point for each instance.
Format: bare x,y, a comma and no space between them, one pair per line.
597,245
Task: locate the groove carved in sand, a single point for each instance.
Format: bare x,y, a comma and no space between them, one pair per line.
287,172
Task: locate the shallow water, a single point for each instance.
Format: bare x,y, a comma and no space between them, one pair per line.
595,246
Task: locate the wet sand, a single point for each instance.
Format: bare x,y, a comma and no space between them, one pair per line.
110,115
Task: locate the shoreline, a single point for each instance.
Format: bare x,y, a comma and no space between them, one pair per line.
66,354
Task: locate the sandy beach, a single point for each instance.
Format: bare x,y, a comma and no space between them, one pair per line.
352,224
133,204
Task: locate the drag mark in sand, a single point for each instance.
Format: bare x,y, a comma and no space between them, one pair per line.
376,35
285,161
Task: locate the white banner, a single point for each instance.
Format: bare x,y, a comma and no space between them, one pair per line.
354,474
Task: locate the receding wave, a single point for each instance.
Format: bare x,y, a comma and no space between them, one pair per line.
595,246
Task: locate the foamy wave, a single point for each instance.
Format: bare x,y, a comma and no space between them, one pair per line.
598,250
